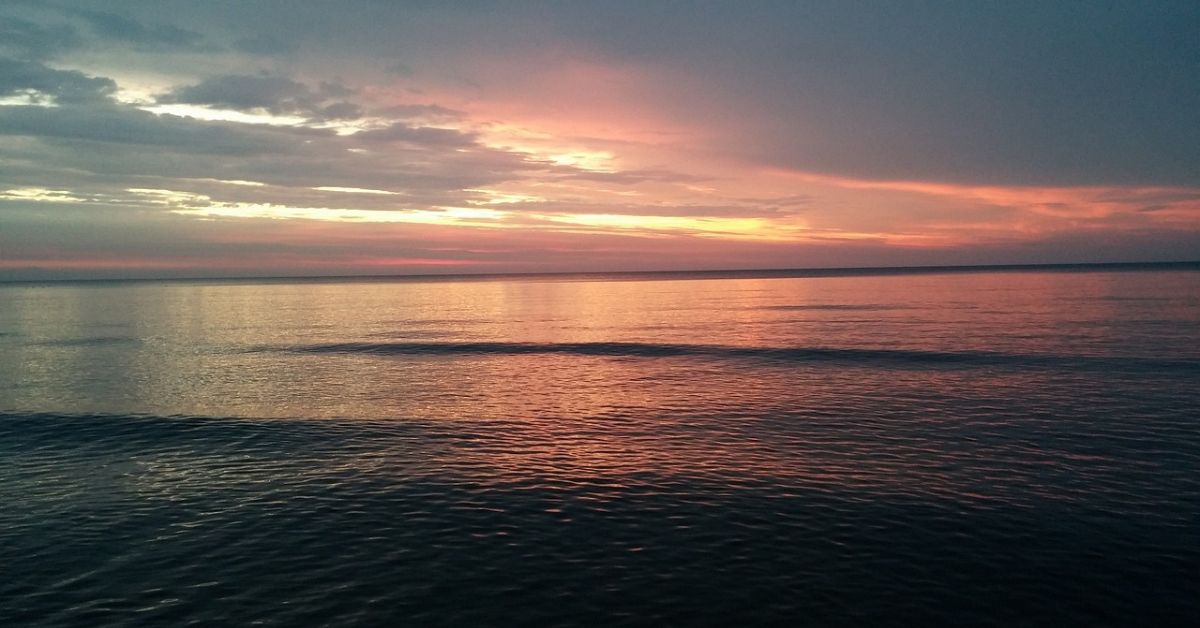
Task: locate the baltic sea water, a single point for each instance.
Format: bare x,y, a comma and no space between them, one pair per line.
957,448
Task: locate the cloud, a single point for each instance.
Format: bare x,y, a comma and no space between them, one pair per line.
629,177
38,83
426,113
399,69
23,39
107,147
264,44
146,36
128,126
400,132
273,94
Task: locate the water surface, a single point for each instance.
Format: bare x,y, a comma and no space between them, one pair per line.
960,448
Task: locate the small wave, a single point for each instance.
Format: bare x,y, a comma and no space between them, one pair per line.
139,432
866,357
835,307
88,342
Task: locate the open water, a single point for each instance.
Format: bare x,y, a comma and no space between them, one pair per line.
959,448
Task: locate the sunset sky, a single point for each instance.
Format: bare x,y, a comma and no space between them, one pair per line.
165,138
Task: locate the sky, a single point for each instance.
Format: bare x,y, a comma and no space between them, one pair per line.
229,138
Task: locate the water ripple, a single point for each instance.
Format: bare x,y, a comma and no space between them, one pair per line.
869,357
876,517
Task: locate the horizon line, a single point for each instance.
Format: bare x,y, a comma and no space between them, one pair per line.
633,274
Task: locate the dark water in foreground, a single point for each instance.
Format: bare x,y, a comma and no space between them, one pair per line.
965,449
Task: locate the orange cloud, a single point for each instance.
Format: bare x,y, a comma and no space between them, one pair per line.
1064,202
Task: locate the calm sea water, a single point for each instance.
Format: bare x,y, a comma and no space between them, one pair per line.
961,449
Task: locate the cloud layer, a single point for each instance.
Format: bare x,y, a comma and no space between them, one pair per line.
270,137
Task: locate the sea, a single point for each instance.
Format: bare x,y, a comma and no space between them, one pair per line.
918,447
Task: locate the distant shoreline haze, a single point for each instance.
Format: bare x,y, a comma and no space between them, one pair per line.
644,275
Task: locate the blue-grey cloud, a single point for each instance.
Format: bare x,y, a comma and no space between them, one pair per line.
273,94
402,132
132,31
264,44
23,39
128,126
1013,92
112,146
436,113
39,82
